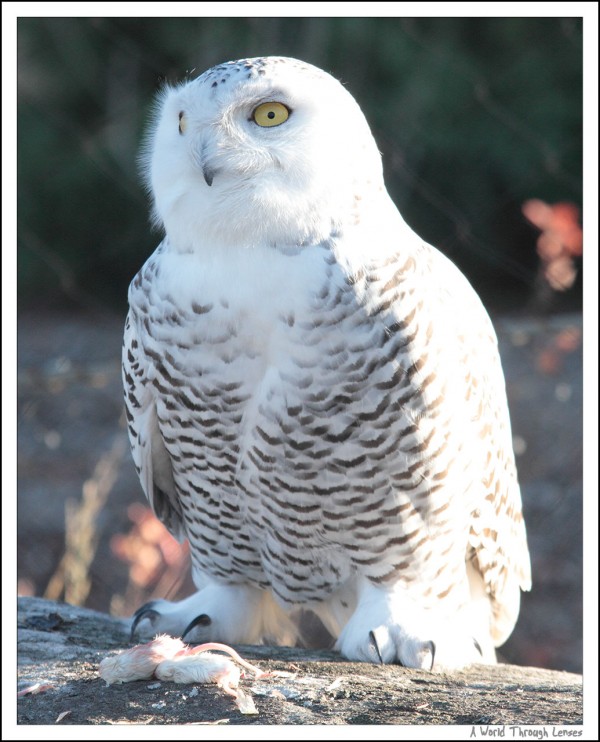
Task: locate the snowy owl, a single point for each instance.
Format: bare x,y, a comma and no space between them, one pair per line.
314,395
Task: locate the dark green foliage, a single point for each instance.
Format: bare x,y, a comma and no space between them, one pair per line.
473,115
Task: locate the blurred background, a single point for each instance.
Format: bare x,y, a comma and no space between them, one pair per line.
479,122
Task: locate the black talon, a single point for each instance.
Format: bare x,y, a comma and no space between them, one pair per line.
202,620
146,611
375,646
477,646
432,649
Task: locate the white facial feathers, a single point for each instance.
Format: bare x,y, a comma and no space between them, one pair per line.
216,175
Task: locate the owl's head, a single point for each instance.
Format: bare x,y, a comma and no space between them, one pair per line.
259,151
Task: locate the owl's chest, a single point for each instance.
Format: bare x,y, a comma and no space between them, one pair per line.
275,371
283,414
256,366
257,322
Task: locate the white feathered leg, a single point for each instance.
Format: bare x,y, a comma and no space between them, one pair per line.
232,614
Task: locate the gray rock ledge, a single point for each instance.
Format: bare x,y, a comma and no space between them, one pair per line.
62,645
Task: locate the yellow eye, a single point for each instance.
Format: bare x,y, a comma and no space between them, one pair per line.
270,114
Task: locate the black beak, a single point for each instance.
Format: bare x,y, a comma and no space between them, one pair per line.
209,175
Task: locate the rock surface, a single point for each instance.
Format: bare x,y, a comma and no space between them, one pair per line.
61,646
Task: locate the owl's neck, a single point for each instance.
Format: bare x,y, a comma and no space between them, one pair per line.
248,215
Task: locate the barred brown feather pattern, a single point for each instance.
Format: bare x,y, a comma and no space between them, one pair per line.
337,457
